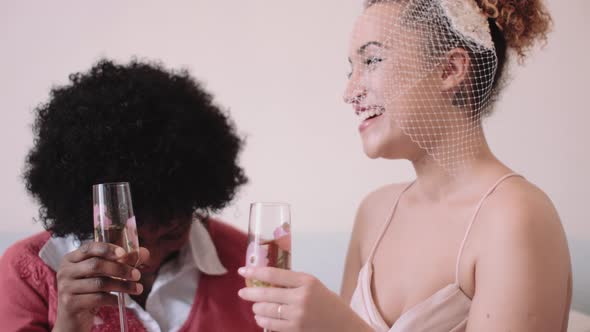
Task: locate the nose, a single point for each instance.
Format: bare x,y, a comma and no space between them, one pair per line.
355,90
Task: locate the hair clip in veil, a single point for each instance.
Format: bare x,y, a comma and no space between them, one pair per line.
469,20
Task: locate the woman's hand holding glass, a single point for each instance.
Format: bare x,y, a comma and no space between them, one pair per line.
297,302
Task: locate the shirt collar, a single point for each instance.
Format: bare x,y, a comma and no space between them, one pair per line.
199,252
203,250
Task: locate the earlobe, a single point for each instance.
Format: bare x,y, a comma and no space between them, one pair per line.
455,70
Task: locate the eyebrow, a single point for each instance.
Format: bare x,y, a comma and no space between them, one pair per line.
363,48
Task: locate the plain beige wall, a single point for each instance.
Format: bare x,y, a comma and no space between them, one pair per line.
280,67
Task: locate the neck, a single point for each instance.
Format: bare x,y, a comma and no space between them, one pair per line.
436,181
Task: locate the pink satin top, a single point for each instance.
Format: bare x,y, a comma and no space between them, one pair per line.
445,311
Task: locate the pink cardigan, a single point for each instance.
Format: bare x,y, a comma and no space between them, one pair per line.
28,291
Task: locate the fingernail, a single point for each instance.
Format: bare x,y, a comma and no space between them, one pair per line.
242,270
139,288
135,274
120,252
240,292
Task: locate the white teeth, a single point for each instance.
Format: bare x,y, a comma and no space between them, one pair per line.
370,113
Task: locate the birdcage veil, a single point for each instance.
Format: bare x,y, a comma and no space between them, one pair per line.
416,41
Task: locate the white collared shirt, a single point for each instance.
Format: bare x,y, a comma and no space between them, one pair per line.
169,303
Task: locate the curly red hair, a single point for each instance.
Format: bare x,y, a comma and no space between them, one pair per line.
522,22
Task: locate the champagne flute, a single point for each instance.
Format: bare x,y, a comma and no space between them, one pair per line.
269,238
114,222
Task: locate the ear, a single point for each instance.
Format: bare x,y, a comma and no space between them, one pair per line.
455,70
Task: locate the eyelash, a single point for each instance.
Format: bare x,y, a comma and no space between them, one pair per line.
369,62
372,61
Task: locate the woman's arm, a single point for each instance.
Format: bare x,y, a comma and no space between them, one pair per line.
24,302
304,303
523,272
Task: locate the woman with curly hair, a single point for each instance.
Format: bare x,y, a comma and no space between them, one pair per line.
160,131
467,246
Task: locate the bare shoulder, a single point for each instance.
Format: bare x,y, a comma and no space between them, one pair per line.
523,269
522,227
372,213
519,208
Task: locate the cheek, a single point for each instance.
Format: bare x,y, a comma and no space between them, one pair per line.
177,244
378,84
388,85
168,246
391,125
173,246
161,248
163,251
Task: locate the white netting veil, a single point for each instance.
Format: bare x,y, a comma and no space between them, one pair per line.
427,66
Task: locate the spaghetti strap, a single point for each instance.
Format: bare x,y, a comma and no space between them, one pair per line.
474,217
387,222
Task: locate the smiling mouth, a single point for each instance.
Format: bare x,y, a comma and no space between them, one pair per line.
370,113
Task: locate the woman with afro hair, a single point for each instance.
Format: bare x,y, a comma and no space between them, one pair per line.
160,131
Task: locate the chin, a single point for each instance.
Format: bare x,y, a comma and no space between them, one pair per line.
372,155
394,150
372,151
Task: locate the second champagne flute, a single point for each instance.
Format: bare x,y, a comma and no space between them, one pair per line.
269,238
114,222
